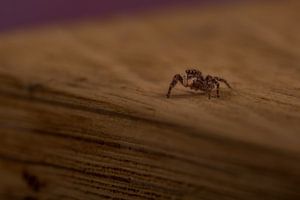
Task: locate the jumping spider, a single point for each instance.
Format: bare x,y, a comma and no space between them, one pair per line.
196,81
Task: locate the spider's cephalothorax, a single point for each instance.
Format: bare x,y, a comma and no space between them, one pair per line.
196,81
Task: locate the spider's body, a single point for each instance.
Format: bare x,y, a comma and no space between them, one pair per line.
196,81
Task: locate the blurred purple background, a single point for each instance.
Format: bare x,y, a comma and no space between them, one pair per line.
22,13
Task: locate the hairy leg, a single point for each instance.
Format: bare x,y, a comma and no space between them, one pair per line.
175,80
222,80
218,86
209,94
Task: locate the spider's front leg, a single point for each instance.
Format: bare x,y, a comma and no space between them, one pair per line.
175,80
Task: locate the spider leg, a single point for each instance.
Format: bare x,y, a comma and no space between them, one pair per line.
223,80
209,94
175,80
218,86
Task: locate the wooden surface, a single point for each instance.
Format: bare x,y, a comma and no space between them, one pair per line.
83,112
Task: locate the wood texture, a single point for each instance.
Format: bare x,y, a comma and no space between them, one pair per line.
83,112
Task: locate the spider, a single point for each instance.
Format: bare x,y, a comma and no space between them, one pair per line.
196,81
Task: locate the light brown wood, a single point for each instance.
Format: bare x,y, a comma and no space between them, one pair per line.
83,112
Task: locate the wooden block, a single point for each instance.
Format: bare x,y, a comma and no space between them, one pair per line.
83,111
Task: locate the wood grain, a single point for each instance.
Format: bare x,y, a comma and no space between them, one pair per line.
83,112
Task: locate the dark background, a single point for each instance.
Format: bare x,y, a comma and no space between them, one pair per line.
23,13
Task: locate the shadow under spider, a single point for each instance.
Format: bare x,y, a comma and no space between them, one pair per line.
192,95
187,95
